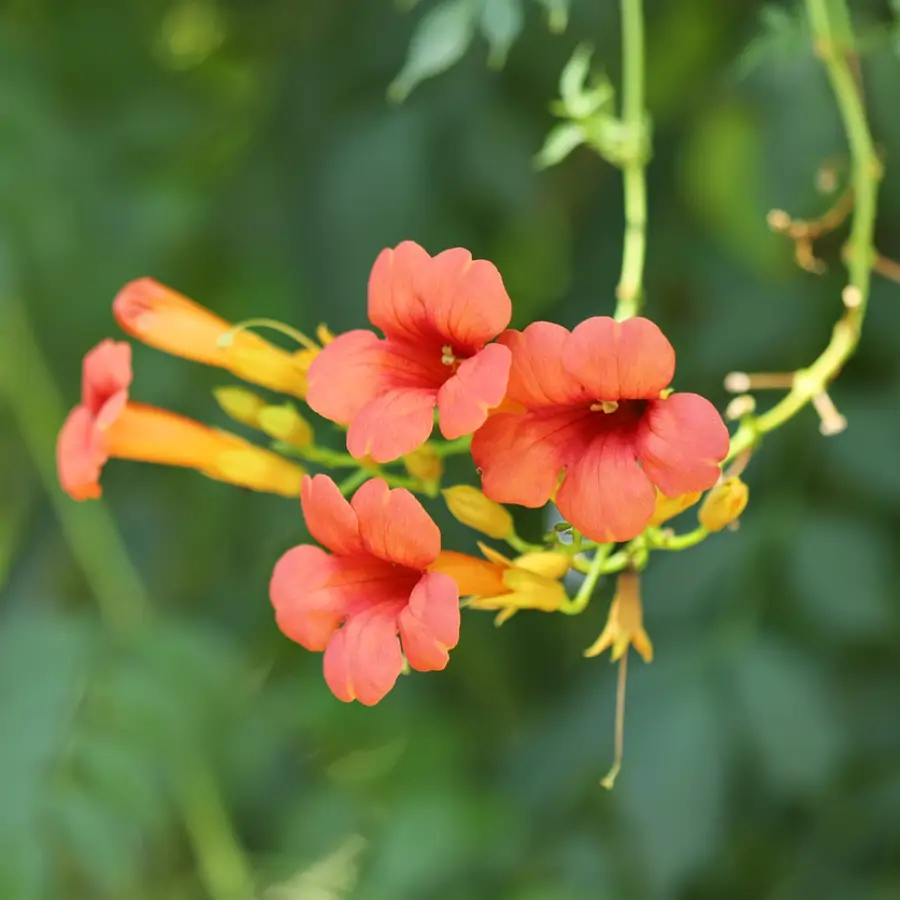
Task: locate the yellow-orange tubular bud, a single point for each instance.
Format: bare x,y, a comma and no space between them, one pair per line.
470,506
169,321
507,585
148,434
669,507
724,504
424,463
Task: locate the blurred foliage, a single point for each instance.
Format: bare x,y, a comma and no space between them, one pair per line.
244,152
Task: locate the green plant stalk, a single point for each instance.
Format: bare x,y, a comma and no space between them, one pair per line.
452,448
866,173
224,871
91,534
629,292
580,601
352,482
332,459
680,541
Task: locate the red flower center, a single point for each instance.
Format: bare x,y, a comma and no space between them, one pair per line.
608,415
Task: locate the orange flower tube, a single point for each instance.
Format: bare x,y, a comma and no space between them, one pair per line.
506,585
107,425
169,321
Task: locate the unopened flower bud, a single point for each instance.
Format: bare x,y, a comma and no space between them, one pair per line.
424,463
284,423
669,507
470,506
724,504
240,404
260,470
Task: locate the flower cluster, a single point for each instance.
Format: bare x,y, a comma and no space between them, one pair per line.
585,418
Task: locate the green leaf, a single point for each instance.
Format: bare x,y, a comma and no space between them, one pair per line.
41,660
557,14
783,35
120,773
439,42
575,72
561,140
24,868
94,836
786,704
501,23
36,705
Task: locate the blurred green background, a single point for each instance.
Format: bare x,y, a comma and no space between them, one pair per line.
245,153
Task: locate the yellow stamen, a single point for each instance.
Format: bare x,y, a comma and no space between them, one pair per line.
606,406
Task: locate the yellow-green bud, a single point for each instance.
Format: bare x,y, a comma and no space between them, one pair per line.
424,463
723,504
470,506
240,404
284,423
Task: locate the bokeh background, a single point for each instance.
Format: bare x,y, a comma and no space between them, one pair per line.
160,739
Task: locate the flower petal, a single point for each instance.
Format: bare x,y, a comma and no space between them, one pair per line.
313,592
537,377
106,374
394,526
429,626
520,455
630,360
450,298
680,442
605,495
363,660
308,599
79,456
478,386
346,376
329,516
392,425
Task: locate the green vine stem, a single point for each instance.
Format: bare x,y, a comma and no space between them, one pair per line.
833,38
629,293
94,540
827,19
595,569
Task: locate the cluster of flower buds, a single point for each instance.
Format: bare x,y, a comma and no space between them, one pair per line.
584,418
